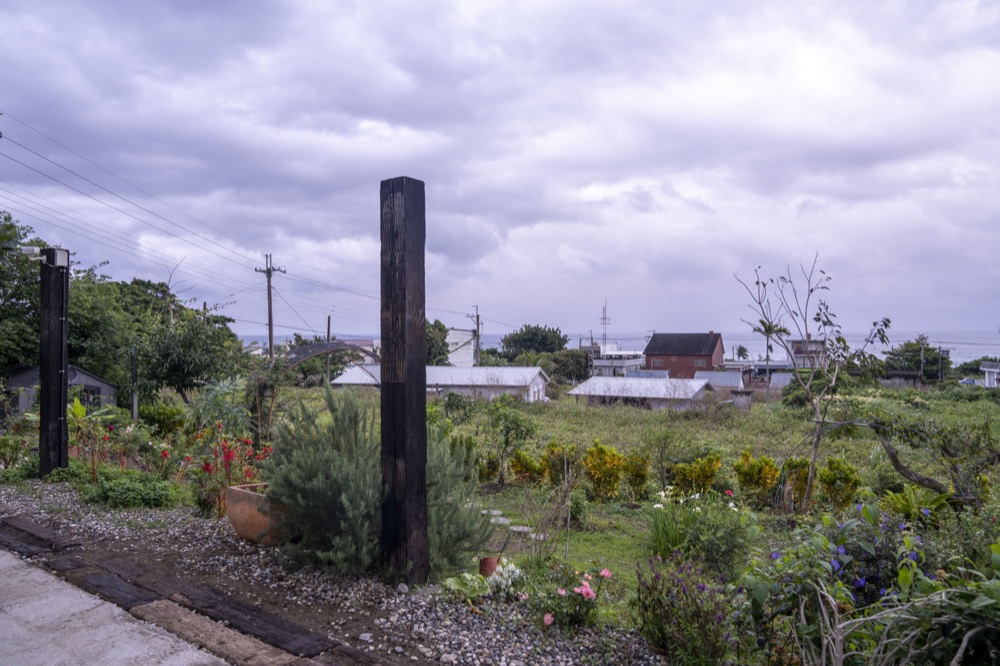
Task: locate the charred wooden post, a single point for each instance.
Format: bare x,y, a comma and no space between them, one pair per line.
405,549
53,361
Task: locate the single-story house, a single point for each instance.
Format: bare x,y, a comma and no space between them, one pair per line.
21,389
526,382
992,371
684,354
723,379
648,392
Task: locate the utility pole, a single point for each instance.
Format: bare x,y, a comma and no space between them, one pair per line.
328,353
604,324
269,270
478,333
53,357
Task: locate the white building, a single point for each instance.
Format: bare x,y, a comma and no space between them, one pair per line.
527,383
649,392
992,370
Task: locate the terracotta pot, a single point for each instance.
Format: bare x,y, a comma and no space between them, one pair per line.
254,517
487,565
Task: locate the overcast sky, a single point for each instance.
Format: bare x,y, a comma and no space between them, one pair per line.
639,152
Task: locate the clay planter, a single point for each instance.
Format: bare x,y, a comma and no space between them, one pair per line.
487,565
253,516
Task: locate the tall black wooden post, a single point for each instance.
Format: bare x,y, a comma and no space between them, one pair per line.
53,365
404,380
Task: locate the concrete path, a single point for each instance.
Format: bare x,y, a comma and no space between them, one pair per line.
45,621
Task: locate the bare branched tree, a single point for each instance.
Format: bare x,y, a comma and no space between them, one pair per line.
789,311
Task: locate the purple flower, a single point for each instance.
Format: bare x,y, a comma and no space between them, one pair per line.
860,582
925,511
841,550
701,587
836,565
775,555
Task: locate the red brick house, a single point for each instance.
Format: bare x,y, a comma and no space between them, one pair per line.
683,354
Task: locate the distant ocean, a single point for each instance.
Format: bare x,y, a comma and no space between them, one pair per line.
962,345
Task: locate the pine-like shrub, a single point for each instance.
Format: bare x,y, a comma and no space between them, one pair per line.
756,476
325,470
795,478
604,465
456,525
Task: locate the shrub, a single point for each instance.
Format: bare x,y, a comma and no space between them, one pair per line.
506,582
13,450
568,598
26,468
795,473
558,460
579,507
839,481
526,466
636,471
456,525
130,488
756,476
164,420
697,476
327,472
917,504
709,527
604,465
680,609
488,467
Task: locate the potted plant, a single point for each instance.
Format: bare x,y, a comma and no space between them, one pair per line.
254,517
489,563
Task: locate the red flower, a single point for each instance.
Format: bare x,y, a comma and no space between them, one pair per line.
111,428
729,493
207,468
187,458
218,426
165,454
106,438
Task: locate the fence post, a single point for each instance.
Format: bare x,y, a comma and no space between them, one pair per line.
405,548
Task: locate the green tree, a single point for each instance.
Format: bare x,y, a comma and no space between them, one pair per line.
742,353
101,332
570,365
437,343
971,368
919,356
19,297
509,427
197,348
533,338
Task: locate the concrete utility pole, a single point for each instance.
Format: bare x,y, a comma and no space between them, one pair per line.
268,270
53,361
479,330
404,542
328,353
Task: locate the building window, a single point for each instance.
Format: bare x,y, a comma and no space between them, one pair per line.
699,363
657,362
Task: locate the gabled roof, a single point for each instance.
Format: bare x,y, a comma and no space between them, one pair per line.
28,376
781,379
484,376
635,387
682,344
721,379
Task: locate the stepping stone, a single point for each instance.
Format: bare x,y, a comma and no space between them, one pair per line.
521,529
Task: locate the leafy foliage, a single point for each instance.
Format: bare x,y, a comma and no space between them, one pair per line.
919,356
756,476
697,476
839,481
437,343
533,338
509,428
604,465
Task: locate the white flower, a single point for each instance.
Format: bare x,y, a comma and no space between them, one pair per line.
697,509
662,494
657,506
732,506
696,496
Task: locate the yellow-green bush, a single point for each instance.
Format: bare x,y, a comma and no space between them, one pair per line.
756,476
697,476
526,466
839,481
604,466
636,470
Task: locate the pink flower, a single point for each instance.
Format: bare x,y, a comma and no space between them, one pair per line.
729,493
585,591
588,576
548,619
604,573
523,596
561,592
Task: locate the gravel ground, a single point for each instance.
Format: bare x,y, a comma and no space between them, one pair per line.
401,626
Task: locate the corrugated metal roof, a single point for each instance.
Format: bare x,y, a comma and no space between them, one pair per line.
370,375
781,379
636,387
682,344
721,379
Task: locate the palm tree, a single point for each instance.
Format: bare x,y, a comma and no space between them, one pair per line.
770,330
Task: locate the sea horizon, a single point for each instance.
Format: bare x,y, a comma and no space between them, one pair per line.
963,346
